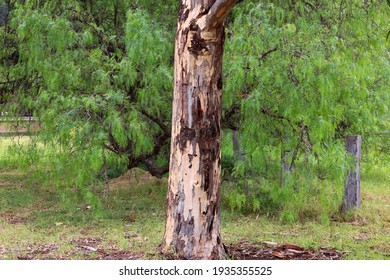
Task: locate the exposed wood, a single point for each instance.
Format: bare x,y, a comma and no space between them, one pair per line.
352,188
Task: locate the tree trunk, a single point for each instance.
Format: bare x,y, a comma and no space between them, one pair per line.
238,148
352,188
193,211
286,167
286,158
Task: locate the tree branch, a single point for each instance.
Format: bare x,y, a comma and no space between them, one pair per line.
158,121
10,82
267,52
160,141
155,170
110,148
218,12
310,5
272,114
231,118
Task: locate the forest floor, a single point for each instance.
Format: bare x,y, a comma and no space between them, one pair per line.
36,223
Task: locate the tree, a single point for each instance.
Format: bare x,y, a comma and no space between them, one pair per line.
298,76
301,75
193,210
98,85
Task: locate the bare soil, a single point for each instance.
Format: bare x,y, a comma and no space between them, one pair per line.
135,176
90,248
253,251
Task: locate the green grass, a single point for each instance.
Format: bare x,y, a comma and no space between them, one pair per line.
7,158
363,233
33,213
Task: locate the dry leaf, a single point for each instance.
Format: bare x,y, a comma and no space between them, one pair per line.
295,251
290,246
88,248
270,243
278,254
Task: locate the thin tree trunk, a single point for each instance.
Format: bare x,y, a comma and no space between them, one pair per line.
352,188
286,158
106,181
193,211
239,153
286,167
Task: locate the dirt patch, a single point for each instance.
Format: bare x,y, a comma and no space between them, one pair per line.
261,251
87,248
93,249
253,251
3,252
116,255
354,220
11,179
11,218
90,248
362,236
87,244
382,248
37,251
135,176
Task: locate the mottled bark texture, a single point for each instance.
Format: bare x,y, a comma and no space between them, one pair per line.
352,187
193,200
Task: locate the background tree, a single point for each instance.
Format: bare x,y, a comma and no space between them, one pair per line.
91,76
300,76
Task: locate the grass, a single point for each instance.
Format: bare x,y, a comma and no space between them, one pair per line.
363,233
39,219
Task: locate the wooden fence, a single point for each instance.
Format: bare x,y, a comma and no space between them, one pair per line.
18,126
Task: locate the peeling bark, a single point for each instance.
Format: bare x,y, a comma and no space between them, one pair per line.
193,215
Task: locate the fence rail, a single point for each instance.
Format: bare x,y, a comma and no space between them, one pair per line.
22,119
18,126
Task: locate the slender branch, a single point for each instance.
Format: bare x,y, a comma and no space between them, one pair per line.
297,149
158,121
110,149
10,82
160,141
304,139
270,113
34,79
267,52
231,117
154,169
310,5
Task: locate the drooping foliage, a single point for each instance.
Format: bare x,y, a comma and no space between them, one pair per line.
102,78
305,74
298,77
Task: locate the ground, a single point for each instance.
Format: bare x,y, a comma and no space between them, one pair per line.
38,221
